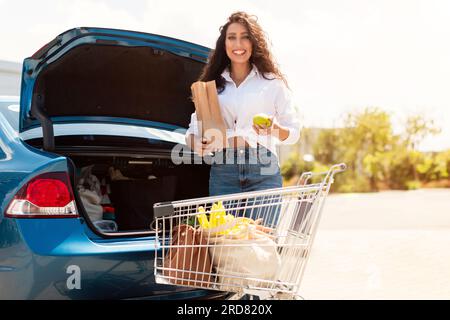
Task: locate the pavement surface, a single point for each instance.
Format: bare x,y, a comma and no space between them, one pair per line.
389,245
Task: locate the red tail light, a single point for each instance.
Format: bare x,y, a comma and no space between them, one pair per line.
46,196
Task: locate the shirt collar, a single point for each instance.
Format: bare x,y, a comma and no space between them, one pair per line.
227,77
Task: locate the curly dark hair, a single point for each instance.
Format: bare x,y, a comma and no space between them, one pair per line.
261,55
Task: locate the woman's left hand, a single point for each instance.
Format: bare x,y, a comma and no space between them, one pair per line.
264,130
275,129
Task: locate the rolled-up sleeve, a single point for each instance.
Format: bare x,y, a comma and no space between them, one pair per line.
286,113
193,126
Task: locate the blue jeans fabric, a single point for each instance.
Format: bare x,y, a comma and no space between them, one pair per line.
243,170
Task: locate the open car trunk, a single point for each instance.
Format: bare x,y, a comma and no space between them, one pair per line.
133,185
128,186
117,183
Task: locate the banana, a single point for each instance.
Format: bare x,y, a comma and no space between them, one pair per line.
213,216
218,217
202,218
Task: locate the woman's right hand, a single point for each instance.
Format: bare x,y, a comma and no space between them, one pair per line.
199,145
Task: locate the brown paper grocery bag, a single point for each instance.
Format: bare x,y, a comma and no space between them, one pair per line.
188,262
212,126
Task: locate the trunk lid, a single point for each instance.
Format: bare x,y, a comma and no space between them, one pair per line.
95,75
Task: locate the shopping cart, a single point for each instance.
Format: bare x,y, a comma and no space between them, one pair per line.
255,243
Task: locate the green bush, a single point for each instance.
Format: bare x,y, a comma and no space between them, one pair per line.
413,185
376,157
434,167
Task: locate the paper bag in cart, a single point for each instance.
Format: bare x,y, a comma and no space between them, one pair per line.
211,124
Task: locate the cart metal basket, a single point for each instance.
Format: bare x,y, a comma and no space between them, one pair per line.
255,243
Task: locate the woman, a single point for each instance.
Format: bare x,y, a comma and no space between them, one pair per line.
248,83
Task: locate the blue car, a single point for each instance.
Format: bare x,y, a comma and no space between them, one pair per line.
99,112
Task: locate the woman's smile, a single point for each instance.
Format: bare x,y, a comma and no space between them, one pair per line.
239,52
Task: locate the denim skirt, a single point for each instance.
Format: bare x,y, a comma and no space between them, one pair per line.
243,169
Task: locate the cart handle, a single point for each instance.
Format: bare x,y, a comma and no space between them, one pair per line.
336,168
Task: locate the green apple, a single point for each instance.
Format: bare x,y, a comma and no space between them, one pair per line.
262,119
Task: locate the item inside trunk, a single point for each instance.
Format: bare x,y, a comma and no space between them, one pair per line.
133,200
121,191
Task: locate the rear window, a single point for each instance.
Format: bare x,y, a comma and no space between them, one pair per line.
10,110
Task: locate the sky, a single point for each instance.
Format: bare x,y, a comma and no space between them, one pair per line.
338,56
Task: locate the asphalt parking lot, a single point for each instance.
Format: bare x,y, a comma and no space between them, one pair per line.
387,245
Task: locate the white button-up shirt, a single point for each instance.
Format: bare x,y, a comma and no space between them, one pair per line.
255,95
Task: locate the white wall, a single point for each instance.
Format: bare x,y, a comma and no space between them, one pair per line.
10,73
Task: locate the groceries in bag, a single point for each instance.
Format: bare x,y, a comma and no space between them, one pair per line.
227,224
243,253
188,262
207,108
244,261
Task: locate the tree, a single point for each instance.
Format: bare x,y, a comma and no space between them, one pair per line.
417,128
